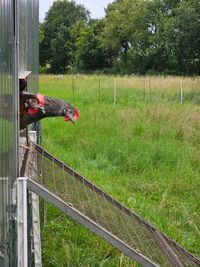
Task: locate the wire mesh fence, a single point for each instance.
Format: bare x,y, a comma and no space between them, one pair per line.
105,211
119,90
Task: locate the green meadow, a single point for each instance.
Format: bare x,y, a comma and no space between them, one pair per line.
138,139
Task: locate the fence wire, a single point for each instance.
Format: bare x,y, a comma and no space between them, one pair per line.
122,89
105,211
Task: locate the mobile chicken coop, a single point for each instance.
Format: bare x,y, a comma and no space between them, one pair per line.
45,176
18,60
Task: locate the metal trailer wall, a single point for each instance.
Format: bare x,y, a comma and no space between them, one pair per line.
18,52
8,133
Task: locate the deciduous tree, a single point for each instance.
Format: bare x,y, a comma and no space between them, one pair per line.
57,43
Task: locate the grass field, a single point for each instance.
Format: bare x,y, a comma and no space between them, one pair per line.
138,143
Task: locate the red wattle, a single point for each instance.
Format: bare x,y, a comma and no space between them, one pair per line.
66,118
32,111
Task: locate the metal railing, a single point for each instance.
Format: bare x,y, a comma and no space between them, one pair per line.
100,213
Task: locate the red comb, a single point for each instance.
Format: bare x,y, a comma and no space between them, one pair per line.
40,98
77,114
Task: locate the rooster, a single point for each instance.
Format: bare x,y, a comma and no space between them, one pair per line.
36,107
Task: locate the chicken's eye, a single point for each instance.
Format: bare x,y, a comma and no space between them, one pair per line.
33,101
66,111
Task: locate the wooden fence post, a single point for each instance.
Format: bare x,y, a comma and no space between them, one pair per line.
181,88
73,87
115,91
99,89
144,88
150,87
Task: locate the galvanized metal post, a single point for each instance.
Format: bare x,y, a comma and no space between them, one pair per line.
22,233
36,230
36,216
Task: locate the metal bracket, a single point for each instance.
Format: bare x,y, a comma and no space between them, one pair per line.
24,74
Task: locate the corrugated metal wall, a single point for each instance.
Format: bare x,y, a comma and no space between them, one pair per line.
9,133
7,126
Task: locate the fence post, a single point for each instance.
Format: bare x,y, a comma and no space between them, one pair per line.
144,88
99,89
36,213
181,88
22,224
150,87
125,88
115,91
73,88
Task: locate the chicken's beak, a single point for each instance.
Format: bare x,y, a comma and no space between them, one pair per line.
41,109
72,117
69,118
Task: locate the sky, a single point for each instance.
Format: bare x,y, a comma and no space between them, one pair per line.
96,7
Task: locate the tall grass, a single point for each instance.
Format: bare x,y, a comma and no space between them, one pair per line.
101,88
144,151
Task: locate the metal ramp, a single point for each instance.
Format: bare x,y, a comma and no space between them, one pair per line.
88,205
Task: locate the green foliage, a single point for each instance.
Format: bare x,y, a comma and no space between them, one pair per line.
182,35
154,35
144,153
159,36
56,42
90,54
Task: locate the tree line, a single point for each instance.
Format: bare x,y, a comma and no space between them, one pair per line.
134,37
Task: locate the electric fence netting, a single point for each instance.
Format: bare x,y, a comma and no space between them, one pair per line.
139,240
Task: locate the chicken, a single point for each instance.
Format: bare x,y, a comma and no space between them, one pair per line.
36,107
